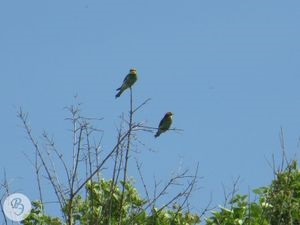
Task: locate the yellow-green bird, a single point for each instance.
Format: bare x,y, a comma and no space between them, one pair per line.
128,81
164,124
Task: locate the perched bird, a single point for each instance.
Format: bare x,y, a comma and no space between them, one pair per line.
164,124
128,81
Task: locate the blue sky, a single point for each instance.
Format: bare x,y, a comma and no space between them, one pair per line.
228,70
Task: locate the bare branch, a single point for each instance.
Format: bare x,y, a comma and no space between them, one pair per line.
139,167
127,154
141,105
24,118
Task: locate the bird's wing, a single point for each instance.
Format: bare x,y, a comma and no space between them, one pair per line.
162,122
126,78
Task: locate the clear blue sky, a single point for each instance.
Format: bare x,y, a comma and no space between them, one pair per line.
228,70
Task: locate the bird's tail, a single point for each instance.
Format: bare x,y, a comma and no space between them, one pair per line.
157,134
119,93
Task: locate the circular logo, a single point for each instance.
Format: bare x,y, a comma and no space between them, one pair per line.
16,207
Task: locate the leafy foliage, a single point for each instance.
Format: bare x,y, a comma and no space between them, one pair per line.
240,212
282,198
278,204
103,206
37,216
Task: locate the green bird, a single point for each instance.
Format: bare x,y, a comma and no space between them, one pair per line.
164,124
128,81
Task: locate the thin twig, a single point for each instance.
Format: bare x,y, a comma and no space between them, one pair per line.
23,118
6,189
101,164
127,154
149,128
141,105
142,179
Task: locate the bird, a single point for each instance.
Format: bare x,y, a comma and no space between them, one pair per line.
164,124
128,81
